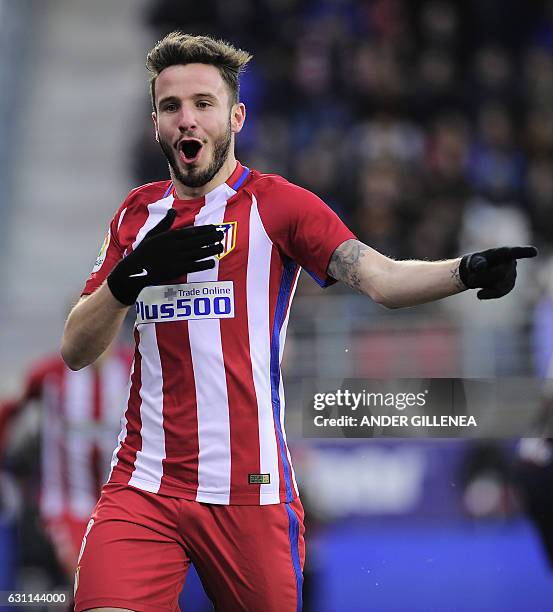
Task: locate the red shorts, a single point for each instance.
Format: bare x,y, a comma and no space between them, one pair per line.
66,534
139,545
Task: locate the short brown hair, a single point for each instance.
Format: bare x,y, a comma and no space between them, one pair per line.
179,48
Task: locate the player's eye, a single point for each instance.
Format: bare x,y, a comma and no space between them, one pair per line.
170,108
203,104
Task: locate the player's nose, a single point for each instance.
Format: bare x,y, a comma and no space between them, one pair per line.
187,119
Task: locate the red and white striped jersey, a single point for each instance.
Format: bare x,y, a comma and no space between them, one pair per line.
205,416
80,418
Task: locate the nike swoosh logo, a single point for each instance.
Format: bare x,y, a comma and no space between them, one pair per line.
143,273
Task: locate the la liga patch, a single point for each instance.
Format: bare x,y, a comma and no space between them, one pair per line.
102,254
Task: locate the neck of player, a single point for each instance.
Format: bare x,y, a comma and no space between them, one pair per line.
189,193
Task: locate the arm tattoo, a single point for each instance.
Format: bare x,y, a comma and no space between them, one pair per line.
457,278
345,263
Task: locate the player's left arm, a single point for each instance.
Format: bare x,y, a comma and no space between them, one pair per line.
396,284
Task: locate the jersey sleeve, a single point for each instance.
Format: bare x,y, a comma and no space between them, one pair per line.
302,227
110,254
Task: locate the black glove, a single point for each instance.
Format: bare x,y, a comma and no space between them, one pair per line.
163,256
495,270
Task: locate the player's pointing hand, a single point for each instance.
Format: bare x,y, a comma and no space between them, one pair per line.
493,271
163,255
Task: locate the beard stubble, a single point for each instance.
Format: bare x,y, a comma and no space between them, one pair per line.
195,177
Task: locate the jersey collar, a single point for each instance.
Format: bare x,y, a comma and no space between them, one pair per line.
238,176
235,181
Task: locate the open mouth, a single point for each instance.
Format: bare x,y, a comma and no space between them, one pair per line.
189,150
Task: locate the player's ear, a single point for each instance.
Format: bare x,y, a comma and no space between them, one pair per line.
154,119
237,117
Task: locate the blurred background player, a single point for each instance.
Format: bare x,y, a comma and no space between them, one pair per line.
78,421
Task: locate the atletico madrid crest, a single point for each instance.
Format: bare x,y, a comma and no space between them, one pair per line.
229,241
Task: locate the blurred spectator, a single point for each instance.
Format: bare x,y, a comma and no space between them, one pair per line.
492,76
436,85
496,164
446,161
439,24
380,187
387,136
539,194
538,76
540,131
